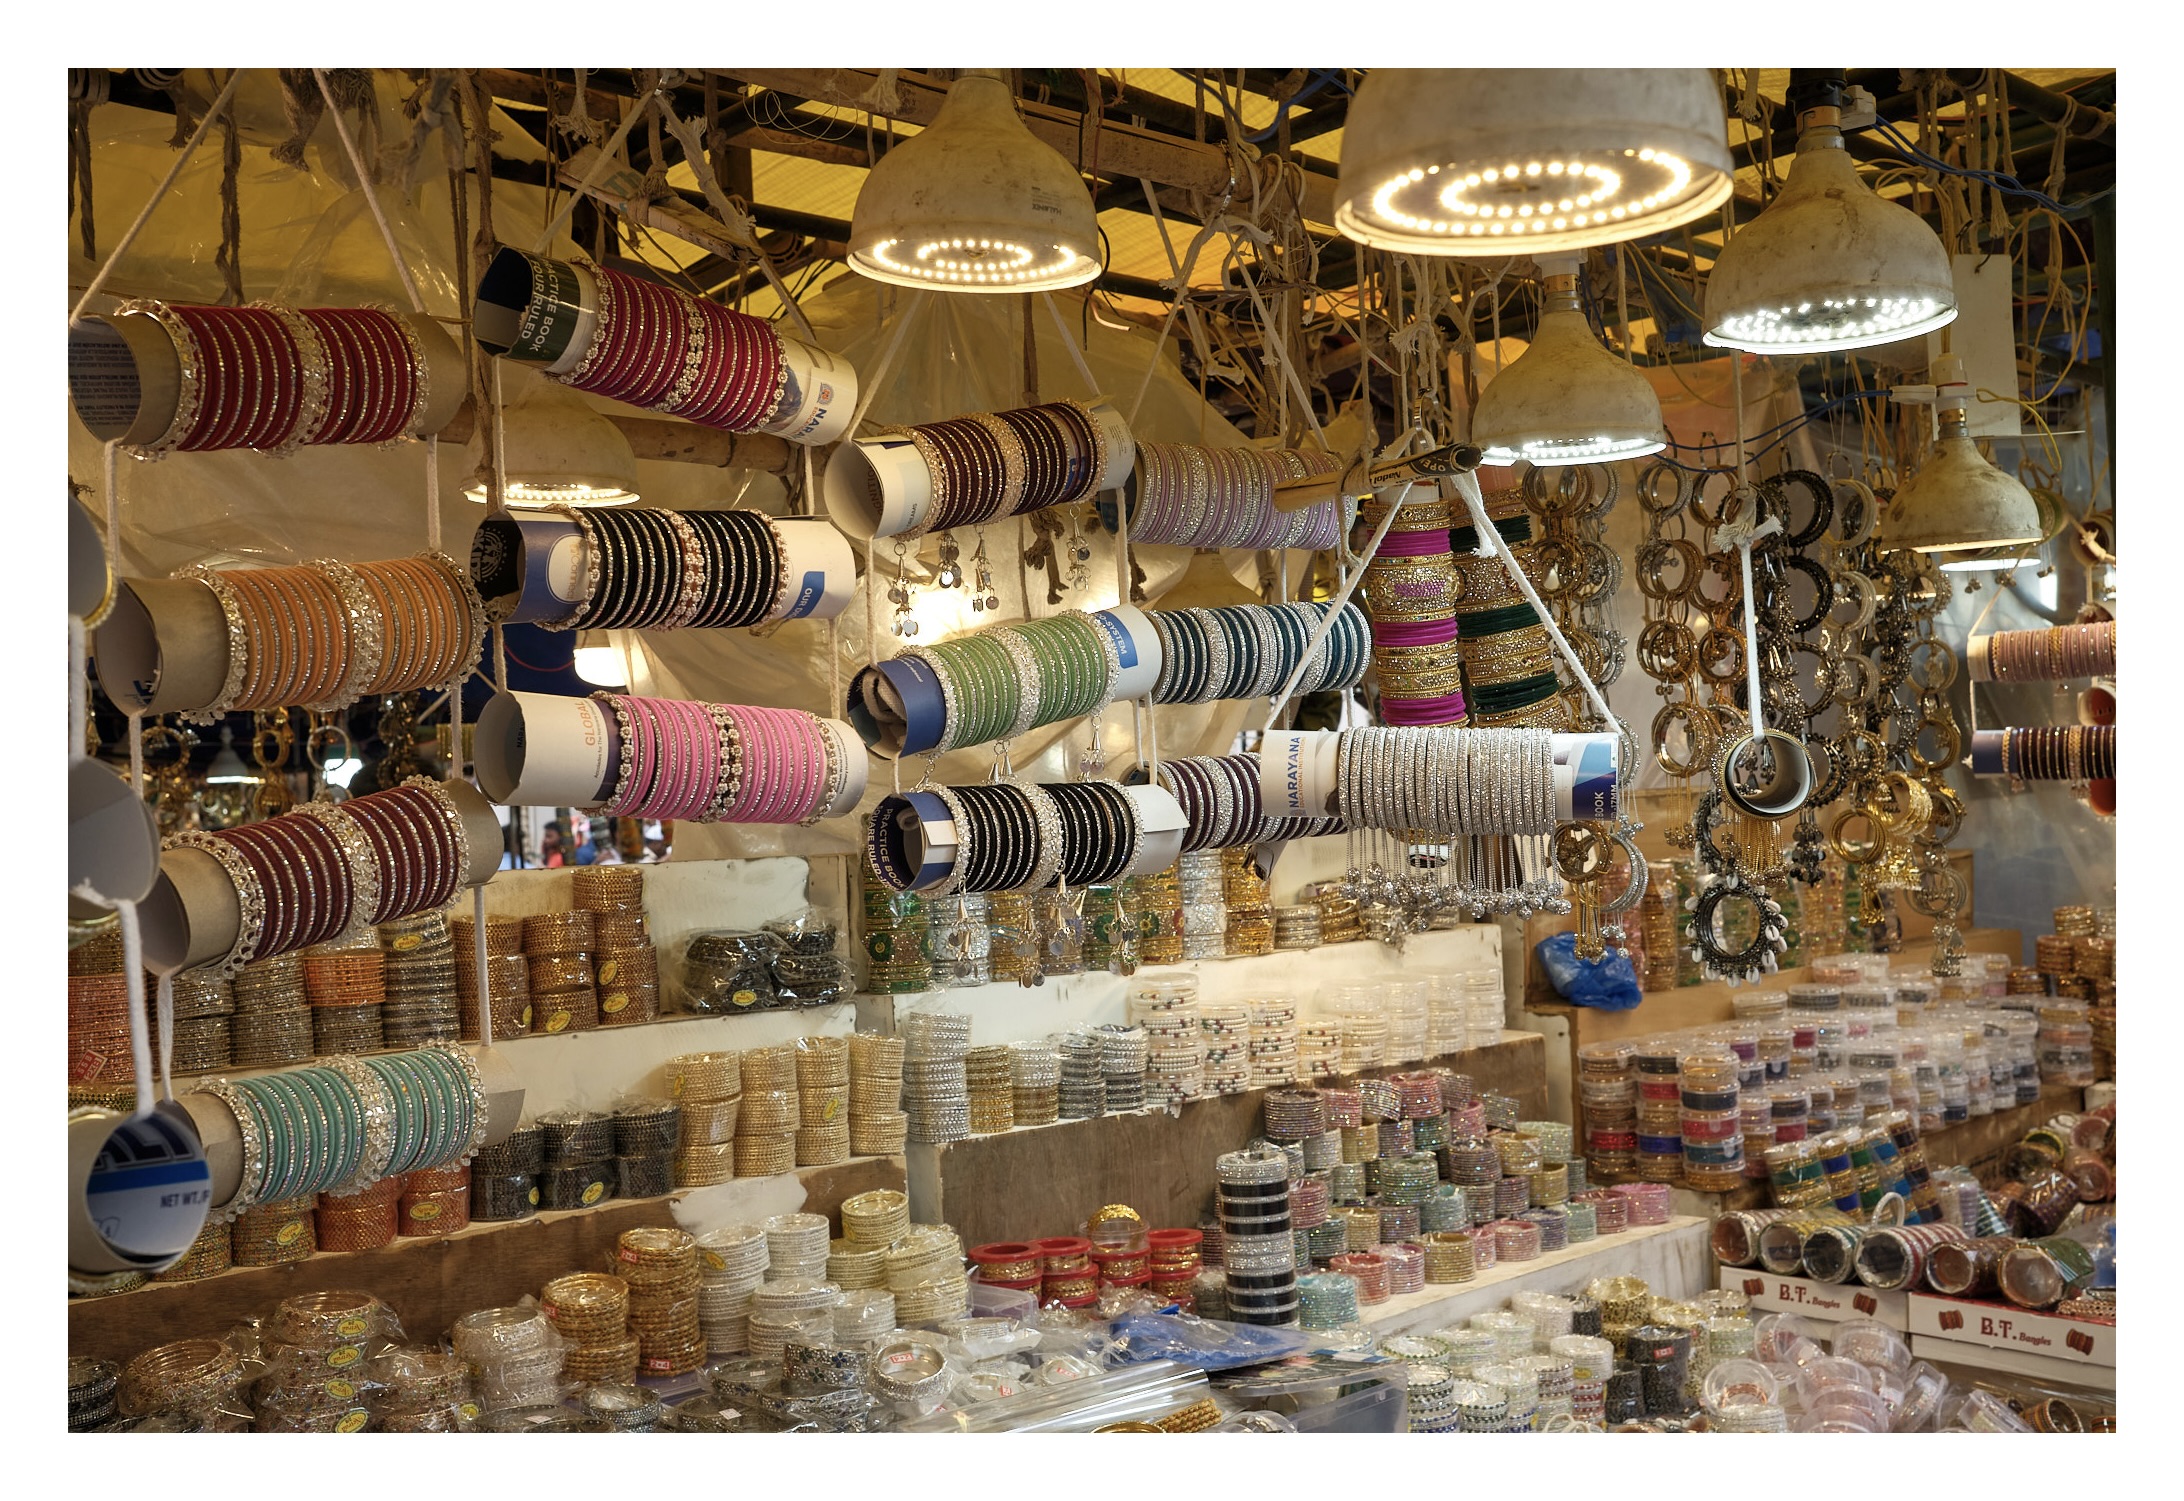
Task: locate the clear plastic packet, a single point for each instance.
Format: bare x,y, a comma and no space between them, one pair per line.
1204,1344
724,973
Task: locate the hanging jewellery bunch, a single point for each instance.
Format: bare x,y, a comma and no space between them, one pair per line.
1572,566
1686,733
1762,776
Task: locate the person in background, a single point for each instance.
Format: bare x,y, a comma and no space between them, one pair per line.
586,851
550,853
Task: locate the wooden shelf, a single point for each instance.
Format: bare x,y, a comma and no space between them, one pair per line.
1044,1180
429,1282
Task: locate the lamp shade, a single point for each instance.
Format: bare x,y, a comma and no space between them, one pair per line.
1566,400
975,203
1960,503
559,452
1830,264
1500,161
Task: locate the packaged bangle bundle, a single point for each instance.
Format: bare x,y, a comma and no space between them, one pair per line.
372,859
625,756
1509,661
1014,835
263,376
654,570
999,682
419,982
1250,651
203,1032
1409,592
323,635
361,1221
978,468
727,973
659,348
1186,496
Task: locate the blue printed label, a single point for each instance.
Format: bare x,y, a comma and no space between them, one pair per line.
808,595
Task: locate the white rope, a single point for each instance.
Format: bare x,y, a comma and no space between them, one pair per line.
144,216
880,371
1755,710
432,492
371,194
590,178
1280,356
165,1011
1069,342
1491,545
79,693
1280,701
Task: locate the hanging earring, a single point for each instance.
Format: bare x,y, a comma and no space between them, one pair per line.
950,573
983,596
899,594
1080,551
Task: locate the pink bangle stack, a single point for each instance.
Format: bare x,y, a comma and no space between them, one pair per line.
643,355
720,763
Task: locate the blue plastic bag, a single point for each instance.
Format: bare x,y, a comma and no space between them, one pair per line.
1608,983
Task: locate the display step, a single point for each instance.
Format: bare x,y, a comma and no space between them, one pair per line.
1673,1258
1044,1180
428,1281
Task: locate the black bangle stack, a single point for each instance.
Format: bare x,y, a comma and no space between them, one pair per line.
1004,844
1099,831
744,567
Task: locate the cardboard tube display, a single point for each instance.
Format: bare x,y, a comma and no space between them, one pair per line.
113,839
90,581
543,750
1161,817
900,709
530,569
164,647
126,379
139,1189
880,486
215,1126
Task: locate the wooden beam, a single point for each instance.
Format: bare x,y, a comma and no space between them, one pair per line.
1124,150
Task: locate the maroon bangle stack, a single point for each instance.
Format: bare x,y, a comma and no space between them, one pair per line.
666,351
270,377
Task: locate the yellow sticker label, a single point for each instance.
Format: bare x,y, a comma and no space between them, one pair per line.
343,1390
469,1412
428,1210
616,1002
526,1017
353,1422
674,1085
340,1357
833,1108
557,1021
408,941
744,998
608,969
350,1328
534,1198
290,1233
594,1192
713,1260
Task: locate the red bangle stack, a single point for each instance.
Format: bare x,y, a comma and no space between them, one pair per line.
272,377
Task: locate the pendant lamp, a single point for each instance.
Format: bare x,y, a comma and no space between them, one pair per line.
1830,264
1500,161
1958,503
976,203
1566,400
558,451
